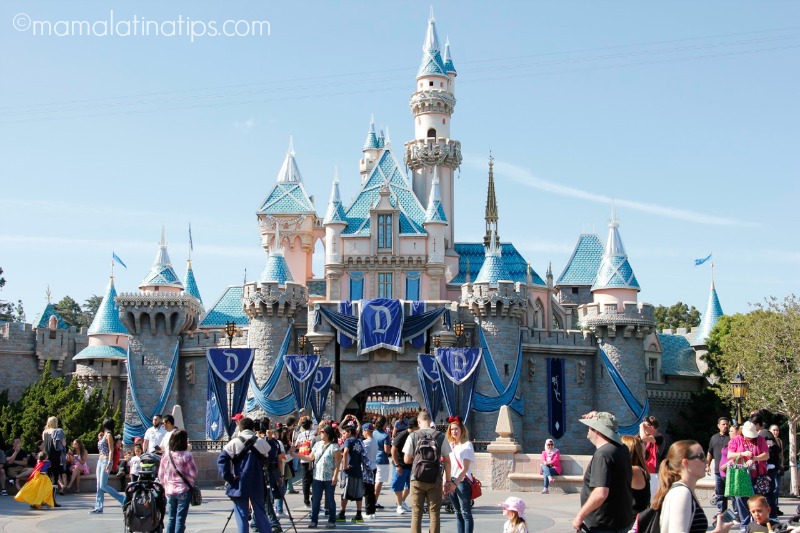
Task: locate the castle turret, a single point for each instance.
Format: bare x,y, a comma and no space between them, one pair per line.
492,217
615,282
162,277
190,283
710,318
371,149
432,105
335,222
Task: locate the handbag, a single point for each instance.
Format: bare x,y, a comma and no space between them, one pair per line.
762,485
475,485
195,496
738,482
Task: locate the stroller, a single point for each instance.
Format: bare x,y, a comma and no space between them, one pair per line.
145,500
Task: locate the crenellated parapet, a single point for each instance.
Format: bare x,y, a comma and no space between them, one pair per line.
272,299
58,346
432,102
168,313
508,298
429,152
607,320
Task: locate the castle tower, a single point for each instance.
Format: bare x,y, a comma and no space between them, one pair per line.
620,325
432,105
371,149
190,283
492,217
436,226
335,222
289,206
103,360
155,318
711,316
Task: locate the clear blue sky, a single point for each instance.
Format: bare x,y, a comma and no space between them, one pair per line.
685,112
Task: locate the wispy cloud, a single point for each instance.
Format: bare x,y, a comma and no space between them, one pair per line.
525,177
247,124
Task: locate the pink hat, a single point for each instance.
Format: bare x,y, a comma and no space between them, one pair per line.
514,504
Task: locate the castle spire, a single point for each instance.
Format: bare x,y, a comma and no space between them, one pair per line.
372,139
161,274
448,59
190,283
289,172
432,64
615,271
435,211
106,319
711,316
335,212
493,268
491,205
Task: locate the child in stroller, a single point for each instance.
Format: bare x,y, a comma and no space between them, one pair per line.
145,500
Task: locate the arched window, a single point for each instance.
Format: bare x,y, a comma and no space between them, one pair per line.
431,133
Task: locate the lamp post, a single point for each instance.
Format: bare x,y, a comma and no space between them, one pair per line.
740,387
301,342
458,329
437,341
230,330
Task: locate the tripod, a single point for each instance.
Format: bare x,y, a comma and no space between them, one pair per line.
274,482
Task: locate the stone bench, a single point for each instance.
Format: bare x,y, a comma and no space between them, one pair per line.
526,476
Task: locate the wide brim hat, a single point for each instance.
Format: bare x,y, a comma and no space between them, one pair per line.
604,423
749,430
515,504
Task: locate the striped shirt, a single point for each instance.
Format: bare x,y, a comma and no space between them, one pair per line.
173,484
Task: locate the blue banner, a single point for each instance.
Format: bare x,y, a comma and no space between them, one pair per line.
380,325
428,373
230,364
214,421
418,308
457,368
300,368
346,308
556,403
319,390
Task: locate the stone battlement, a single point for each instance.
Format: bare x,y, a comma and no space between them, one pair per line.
508,299
638,318
270,299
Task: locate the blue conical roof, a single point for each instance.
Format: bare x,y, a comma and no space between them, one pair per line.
161,273
106,320
615,271
276,270
44,318
711,317
288,196
448,59
493,268
372,142
335,212
190,283
432,63
435,211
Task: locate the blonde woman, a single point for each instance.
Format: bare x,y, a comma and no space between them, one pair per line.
461,457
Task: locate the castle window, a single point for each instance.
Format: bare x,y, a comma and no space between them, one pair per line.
652,369
431,133
574,290
384,284
412,285
430,84
441,84
356,286
384,231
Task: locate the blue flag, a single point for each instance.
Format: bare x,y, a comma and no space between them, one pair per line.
698,262
116,258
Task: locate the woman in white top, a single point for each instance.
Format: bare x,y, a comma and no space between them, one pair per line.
677,476
461,457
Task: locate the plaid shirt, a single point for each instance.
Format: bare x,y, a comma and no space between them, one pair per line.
173,484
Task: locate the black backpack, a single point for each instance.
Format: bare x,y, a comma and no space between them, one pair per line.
426,465
144,508
649,521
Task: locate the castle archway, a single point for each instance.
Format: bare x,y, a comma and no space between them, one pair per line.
356,393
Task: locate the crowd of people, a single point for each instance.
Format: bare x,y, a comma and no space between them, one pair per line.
633,483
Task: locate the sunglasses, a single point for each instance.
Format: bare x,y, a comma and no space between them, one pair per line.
700,456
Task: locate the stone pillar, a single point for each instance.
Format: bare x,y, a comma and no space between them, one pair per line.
502,450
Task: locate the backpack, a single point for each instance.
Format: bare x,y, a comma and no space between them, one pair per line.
272,455
426,463
143,510
648,521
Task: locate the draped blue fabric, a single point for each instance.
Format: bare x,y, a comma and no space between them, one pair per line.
639,411
319,393
219,390
345,308
299,369
428,373
412,325
134,430
490,404
380,325
282,406
214,420
556,397
457,375
417,308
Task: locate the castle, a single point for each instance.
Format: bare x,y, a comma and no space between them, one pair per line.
396,240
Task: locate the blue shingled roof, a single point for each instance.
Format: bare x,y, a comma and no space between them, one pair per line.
227,308
287,198
101,352
106,320
475,253
372,141
49,311
335,208
492,270
677,357
191,283
710,318
615,272
582,266
412,214
276,270
432,64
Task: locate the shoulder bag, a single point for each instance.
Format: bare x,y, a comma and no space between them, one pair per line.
737,481
196,497
475,484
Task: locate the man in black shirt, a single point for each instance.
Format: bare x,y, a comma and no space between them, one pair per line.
773,461
715,445
401,477
606,498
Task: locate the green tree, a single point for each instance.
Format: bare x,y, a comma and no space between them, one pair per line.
676,316
79,413
70,311
764,345
90,307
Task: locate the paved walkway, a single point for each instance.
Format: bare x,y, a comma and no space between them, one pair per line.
551,512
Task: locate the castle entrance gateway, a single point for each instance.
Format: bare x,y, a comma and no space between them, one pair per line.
388,401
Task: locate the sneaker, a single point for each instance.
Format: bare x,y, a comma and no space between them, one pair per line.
379,506
4,493
96,511
357,519
331,525
369,517
545,491
340,518
406,507
401,510
312,525
307,506
550,479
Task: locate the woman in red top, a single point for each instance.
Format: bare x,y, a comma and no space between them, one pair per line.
751,450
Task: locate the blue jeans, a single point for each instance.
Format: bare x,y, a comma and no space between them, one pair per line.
318,488
744,512
719,490
242,508
103,486
177,509
462,503
547,472
772,497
